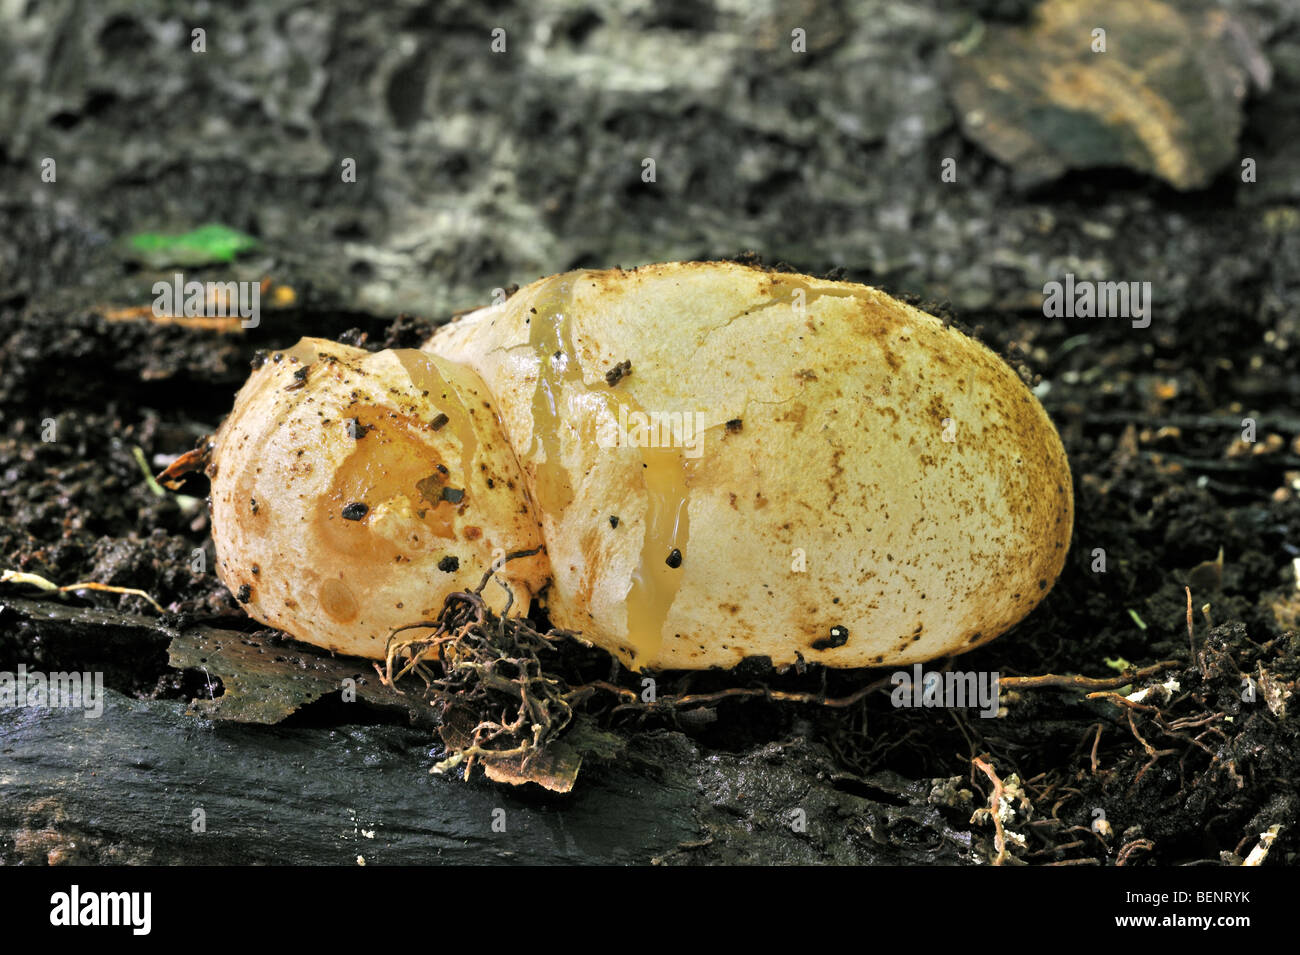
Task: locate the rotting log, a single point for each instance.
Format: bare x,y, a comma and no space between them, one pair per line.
127,787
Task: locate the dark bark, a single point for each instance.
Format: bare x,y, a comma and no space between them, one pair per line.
123,789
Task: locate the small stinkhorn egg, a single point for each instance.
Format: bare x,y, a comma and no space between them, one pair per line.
800,469
354,538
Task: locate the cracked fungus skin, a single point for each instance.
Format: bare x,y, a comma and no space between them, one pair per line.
770,479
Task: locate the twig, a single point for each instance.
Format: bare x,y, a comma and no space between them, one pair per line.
995,808
1154,753
705,699
18,577
1084,682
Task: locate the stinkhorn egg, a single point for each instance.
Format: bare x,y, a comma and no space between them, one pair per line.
784,467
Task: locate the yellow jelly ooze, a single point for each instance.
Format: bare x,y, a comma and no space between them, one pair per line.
655,581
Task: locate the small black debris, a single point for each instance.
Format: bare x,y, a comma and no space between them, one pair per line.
839,636
299,378
355,511
618,373
449,564
674,559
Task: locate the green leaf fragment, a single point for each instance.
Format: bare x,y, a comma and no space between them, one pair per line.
202,246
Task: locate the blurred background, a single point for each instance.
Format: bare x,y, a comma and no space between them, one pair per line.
476,169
